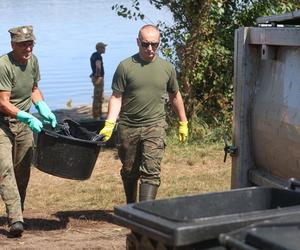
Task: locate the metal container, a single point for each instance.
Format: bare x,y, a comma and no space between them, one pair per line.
267,102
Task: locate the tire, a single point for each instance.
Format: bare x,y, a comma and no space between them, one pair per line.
132,242
137,242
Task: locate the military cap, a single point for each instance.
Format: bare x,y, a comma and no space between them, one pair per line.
100,45
22,34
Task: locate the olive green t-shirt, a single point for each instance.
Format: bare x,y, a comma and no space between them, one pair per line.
144,87
19,79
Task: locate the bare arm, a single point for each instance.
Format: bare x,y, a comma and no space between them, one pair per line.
177,104
36,94
11,110
5,106
114,106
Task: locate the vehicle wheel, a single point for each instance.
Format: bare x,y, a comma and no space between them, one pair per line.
132,242
147,244
161,246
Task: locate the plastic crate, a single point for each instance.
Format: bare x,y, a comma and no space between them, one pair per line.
189,220
275,234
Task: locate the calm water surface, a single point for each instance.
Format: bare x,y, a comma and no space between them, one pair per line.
66,32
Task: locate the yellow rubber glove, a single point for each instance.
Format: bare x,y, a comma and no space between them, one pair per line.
107,130
183,131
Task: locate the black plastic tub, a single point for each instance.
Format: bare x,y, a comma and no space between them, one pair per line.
96,126
276,234
66,156
187,220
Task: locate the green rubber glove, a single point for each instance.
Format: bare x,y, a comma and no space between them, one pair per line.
34,124
46,113
183,131
107,130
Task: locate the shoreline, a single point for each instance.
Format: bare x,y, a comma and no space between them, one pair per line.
80,112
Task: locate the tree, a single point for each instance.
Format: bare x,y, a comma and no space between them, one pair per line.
200,45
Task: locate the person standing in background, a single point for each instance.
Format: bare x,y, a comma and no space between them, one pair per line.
19,77
140,86
98,78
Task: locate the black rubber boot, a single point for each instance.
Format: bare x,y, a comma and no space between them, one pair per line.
147,192
16,229
130,188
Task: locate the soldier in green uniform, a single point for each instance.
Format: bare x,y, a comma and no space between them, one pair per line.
140,86
19,77
97,76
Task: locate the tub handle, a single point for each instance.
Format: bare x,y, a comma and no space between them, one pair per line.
53,134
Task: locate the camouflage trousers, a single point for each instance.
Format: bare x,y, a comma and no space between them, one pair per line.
141,151
98,83
16,149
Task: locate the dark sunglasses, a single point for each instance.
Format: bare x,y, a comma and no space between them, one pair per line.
147,44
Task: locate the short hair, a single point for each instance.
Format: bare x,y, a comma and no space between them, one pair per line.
148,26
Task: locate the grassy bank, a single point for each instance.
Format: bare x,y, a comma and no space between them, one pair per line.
186,170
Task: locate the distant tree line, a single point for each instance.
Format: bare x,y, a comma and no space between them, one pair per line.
200,43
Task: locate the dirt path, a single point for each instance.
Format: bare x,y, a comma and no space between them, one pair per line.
67,230
55,227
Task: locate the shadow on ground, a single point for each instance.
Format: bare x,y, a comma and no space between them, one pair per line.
90,215
63,218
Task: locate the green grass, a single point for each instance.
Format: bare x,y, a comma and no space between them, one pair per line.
186,170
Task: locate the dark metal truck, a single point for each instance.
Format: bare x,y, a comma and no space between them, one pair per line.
262,211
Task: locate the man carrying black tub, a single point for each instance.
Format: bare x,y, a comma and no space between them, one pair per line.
19,77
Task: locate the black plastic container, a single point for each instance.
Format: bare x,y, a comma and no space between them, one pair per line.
67,156
96,126
276,234
190,220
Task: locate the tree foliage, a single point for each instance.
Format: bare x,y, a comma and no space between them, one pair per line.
200,44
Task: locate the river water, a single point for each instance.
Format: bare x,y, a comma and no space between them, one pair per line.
66,32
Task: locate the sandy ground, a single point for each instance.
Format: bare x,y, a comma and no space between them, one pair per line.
66,230
83,112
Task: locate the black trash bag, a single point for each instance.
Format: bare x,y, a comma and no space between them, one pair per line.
73,129
63,129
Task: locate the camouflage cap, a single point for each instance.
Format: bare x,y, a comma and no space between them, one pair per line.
100,45
22,34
